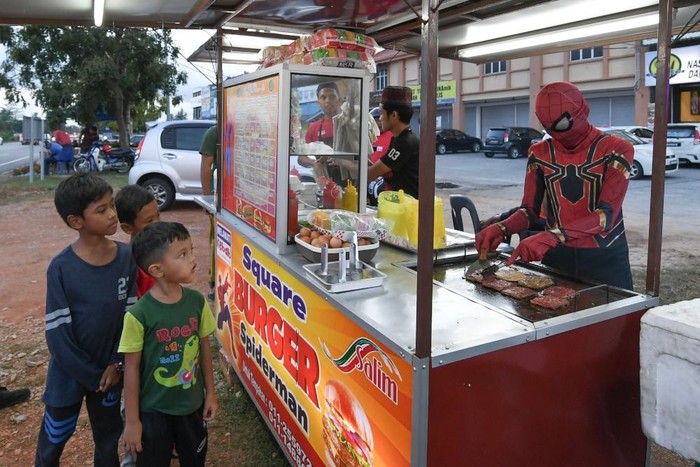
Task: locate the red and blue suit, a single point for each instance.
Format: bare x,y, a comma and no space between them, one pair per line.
579,179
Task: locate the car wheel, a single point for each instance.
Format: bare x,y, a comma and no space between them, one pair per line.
162,190
513,152
441,149
476,147
488,154
636,172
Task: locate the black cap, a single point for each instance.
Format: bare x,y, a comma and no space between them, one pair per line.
397,96
327,85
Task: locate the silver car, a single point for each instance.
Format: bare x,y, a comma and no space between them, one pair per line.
168,161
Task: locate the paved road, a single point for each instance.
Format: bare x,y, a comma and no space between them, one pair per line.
13,155
501,180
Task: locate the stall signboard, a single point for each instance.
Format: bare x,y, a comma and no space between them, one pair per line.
327,388
249,186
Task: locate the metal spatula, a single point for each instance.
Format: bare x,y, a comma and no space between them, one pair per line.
481,264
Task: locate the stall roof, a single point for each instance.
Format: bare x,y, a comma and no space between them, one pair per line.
394,24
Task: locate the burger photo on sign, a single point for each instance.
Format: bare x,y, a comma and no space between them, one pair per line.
346,429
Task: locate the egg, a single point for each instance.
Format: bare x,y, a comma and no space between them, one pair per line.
305,232
335,242
314,234
305,238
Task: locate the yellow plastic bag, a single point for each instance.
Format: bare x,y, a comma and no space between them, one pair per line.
401,210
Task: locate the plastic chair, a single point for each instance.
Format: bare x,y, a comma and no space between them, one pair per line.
459,202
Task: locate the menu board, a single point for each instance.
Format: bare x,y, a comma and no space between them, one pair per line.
249,182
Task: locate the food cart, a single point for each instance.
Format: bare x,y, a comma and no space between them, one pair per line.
335,373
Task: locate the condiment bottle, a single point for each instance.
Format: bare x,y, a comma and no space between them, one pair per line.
292,214
350,197
330,191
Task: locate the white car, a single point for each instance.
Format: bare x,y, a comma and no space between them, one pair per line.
641,132
643,154
684,139
1,140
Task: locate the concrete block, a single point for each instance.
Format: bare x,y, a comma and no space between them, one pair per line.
670,377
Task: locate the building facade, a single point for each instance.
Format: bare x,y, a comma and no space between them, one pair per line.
613,78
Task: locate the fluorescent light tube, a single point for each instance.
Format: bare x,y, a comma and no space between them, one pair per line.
99,11
563,36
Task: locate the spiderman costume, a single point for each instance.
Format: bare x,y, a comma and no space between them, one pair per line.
580,178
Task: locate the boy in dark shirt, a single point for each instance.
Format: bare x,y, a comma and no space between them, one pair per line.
91,283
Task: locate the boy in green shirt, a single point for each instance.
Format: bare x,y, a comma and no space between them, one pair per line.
168,374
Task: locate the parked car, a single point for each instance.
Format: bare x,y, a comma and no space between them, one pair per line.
134,140
455,141
641,132
513,141
684,139
168,160
642,163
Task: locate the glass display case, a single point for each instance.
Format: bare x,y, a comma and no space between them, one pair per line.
295,139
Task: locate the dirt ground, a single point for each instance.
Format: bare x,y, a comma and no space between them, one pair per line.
32,233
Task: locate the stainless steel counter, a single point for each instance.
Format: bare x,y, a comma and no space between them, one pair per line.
464,325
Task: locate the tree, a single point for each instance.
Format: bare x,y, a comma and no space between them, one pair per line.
79,72
181,115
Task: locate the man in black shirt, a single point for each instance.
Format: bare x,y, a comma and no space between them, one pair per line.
401,159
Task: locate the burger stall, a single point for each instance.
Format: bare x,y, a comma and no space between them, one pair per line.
338,368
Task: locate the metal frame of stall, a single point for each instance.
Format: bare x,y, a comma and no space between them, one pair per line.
429,15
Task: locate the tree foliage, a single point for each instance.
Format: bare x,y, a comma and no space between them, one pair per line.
88,73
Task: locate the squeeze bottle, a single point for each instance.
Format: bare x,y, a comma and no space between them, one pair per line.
350,197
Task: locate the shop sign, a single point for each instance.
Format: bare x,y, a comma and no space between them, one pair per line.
304,362
684,66
446,93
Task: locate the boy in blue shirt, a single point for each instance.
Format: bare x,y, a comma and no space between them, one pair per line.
90,285
168,376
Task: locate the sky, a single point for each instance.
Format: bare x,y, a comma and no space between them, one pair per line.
198,74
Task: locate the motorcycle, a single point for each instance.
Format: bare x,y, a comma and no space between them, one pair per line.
103,157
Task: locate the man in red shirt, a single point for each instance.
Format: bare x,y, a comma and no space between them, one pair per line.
66,155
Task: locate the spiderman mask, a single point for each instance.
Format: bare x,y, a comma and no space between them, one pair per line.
563,111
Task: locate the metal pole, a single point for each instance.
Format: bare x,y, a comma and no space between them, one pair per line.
658,173
426,178
31,148
219,111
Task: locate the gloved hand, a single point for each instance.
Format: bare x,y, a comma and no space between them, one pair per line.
534,247
489,238
491,220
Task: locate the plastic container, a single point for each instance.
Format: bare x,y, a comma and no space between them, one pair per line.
313,253
350,197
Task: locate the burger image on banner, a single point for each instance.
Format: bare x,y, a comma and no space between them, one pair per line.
346,429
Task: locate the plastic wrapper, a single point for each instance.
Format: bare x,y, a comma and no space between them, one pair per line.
340,223
342,39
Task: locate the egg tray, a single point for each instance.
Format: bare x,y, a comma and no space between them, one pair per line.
313,253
